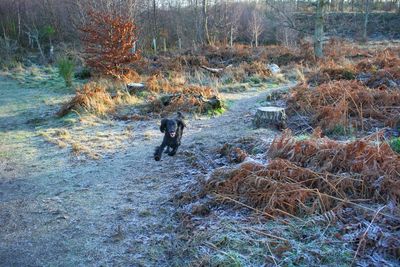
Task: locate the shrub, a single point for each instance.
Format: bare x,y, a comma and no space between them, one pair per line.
108,41
66,70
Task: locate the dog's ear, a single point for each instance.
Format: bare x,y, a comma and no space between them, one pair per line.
163,125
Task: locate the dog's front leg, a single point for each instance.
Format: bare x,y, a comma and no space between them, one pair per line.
159,150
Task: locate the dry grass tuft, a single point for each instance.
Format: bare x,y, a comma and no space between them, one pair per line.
95,97
186,98
79,148
131,76
92,97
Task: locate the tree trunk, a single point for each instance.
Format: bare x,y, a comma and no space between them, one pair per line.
319,29
165,45
154,18
231,37
341,5
19,22
365,25
155,45
197,20
205,23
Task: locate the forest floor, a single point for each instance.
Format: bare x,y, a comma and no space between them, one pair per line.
99,198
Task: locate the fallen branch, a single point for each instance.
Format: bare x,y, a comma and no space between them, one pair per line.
215,70
264,233
362,239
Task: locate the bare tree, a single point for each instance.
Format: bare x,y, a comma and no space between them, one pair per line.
256,26
233,18
205,22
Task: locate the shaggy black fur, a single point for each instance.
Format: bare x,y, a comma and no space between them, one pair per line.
173,129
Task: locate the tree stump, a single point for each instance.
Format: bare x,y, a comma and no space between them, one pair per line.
270,116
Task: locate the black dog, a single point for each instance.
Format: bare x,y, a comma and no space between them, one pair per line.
173,129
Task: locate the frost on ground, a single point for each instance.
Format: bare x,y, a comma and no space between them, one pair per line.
86,191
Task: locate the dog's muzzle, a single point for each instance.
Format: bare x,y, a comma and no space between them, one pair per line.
172,134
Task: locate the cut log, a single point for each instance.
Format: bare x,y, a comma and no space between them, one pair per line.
270,117
134,87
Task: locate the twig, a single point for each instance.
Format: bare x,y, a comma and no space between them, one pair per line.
264,233
365,233
346,201
290,215
272,254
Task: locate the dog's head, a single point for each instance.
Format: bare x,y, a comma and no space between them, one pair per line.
169,126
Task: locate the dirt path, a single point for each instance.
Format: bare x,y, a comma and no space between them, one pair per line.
57,210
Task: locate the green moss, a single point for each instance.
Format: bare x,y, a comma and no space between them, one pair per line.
395,144
216,112
341,130
348,75
255,80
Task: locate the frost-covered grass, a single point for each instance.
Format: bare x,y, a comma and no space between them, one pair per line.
36,76
234,239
